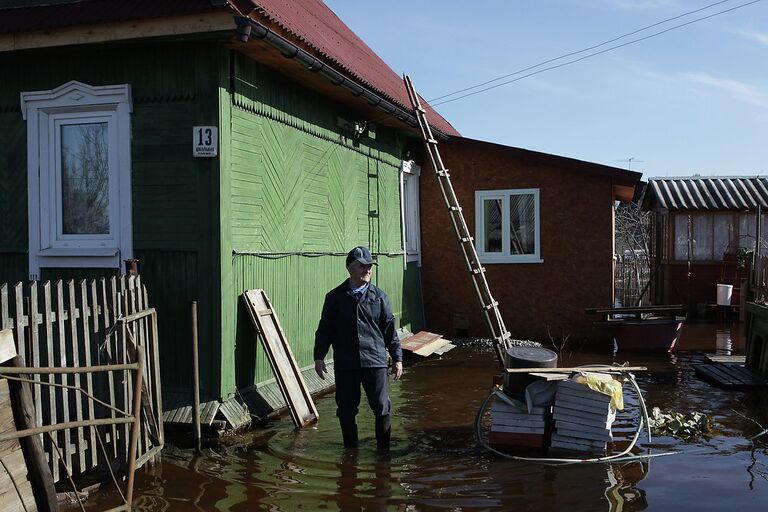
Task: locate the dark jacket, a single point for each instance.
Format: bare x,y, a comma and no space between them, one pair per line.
360,333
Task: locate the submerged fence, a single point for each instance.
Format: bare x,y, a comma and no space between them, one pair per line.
89,323
631,275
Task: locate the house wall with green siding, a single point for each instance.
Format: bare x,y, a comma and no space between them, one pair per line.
172,196
301,194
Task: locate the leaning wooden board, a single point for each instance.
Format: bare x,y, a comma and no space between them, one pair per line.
287,372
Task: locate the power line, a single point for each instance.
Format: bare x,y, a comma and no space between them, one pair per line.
579,51
586,56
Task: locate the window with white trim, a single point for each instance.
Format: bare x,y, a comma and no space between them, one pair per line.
410,208
79,176
507,226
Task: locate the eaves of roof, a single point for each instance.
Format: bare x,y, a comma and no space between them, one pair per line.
316,28
698,193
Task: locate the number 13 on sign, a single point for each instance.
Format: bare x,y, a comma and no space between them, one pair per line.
205,141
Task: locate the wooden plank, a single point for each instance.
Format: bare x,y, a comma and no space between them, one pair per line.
5,317
67,449
208,412
638,309
709,371
86,318
39,474
53,454
588,369
281,359
7,345
108,319
36,319
74,316
158,405
727,359
14,465
21,320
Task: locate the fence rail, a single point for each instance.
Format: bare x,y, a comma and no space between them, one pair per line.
89,323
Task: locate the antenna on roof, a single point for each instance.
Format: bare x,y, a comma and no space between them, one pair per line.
629,161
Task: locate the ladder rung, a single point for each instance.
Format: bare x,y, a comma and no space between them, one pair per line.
443,173
491,305
455,208
421,109
479,270
431,141
467,239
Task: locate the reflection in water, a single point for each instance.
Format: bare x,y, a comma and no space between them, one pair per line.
622,494
436,465
723,343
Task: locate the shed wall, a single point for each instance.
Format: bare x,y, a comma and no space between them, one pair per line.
536,299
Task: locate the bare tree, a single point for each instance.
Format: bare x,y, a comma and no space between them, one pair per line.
633,239
85,179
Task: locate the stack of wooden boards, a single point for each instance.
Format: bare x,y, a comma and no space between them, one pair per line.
513,425
583,418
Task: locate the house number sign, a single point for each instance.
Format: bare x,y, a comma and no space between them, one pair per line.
205,141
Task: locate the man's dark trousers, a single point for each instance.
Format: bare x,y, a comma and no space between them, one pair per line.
374,382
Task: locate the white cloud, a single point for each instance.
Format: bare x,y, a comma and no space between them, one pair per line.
739,90
753,35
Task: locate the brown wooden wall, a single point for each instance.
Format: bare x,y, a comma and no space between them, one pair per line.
576,245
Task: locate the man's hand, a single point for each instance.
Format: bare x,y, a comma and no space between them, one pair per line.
398,370
320,368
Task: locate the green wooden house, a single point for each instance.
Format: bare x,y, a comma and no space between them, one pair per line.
223,156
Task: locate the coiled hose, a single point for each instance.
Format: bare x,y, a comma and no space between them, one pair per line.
619,457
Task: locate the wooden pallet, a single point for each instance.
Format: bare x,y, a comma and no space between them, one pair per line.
731,376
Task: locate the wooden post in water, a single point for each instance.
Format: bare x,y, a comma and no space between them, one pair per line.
195,378
135,427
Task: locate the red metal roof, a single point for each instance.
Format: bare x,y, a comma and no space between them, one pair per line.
317,26
309,21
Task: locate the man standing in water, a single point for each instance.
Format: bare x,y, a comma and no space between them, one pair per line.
358,323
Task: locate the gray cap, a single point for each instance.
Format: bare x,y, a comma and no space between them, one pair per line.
360,254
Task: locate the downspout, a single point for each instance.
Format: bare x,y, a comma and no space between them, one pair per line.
402,215
248,28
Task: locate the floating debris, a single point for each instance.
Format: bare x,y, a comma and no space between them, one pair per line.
682,426
488,342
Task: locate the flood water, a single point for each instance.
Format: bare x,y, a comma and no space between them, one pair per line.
436,464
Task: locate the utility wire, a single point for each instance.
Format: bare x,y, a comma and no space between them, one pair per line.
584,57
571,54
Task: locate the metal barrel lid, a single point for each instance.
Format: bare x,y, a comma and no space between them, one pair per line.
530,357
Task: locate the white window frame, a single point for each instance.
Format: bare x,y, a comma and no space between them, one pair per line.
45,113
505,255
410,208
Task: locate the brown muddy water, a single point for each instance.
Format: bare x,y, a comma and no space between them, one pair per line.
435,463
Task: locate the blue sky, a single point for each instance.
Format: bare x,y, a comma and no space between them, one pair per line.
691,101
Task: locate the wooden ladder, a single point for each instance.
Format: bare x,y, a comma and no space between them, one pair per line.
499,334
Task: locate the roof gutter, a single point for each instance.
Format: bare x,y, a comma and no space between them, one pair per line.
248,28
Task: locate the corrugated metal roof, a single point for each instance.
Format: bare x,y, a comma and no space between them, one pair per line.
715,193
316,25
